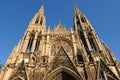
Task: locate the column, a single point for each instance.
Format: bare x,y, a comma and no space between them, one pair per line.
74,46
25,42
43,45
47,46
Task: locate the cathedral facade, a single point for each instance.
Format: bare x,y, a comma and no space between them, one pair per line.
61,54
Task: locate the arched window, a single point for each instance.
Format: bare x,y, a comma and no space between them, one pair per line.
92,42
83,40
62,73
30,43
77,19
83,20
80,59
79,56
41,21
37,44
37,20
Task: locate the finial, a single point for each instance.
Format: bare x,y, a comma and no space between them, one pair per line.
41,10
76,9
75,4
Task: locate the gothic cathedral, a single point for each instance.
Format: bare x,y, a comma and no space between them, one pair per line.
61,54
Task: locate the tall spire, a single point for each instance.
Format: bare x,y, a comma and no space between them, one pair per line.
76,10
36,26
86,33
39,18
41,10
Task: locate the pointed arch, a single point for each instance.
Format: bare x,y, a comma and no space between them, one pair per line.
37,44
29,46
82,37
79,56
83,19
92,42
77,20
41,21
64,72
37,20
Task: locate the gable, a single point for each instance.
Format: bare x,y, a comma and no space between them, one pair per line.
20,73
106,71
62,60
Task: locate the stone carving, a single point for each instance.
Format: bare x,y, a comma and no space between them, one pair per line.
56,45
19,73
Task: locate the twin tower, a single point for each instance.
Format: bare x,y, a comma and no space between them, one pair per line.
61,54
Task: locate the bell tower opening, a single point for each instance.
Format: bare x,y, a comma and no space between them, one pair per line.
30,43
37,20
83,20
79,56
37,44
92,42
41,21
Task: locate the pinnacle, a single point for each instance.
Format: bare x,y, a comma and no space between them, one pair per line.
41,10
76,9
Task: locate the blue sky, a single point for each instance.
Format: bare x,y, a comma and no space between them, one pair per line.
15,16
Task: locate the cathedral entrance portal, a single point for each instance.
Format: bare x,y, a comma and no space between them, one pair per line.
62,74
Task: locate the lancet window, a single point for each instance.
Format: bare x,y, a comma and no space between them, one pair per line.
83,20
30,43
78,21
79,56
37,20
37,44
83,40
41,21
92,42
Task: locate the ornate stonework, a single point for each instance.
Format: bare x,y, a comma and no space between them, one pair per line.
61,54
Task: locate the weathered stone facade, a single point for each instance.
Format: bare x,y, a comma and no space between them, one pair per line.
61,54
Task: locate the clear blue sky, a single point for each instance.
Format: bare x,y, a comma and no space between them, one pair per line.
15,16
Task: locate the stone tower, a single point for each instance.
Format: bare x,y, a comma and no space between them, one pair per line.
61,54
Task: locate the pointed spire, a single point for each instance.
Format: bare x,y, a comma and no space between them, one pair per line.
76,9
38,16
41,10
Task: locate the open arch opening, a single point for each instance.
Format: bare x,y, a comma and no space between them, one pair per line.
63,74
